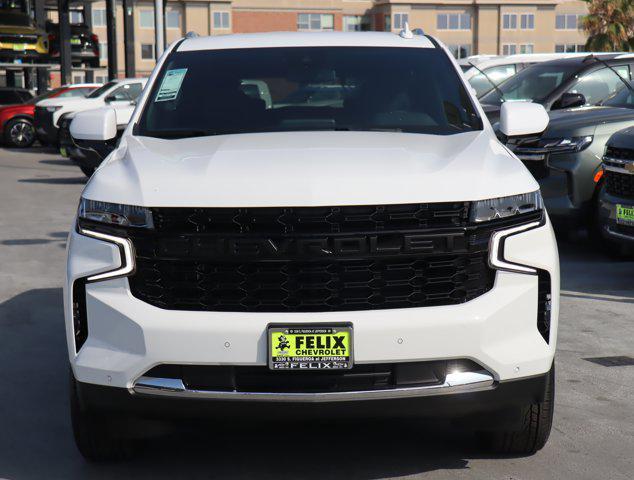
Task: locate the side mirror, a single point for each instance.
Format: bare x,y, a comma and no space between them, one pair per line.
522,118
110,99
94,125
569,100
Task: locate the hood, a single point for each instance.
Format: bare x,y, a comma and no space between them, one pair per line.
622,139
18,107
76,103
308,169
587,117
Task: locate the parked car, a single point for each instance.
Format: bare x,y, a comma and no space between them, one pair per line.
14,96
616,204
561,84
20,38
566,158
89,157
119,94
485,72
84,44
16,121
378,255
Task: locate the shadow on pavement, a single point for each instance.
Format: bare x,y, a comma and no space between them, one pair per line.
56,180
64,162
37,441
582,262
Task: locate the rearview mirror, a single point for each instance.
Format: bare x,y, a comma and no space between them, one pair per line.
94,125
569,100
522,118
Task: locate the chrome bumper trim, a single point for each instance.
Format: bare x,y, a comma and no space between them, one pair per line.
462,382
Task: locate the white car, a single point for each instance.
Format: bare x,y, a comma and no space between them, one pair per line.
368,249
485,72
118,94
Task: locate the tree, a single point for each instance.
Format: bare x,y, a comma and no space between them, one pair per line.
609,25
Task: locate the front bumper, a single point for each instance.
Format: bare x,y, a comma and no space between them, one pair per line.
610,229
45,128
127,337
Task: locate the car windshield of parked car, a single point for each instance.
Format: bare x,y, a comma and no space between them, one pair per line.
15,20
623,98
101,90
216,92
534,83
44,96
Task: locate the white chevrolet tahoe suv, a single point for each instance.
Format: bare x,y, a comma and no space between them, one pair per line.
318,224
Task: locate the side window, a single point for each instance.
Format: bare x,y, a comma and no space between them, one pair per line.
600,84
497,75
127,92
8,96
135,90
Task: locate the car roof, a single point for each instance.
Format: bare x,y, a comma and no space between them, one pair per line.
129,80
580,60
304,39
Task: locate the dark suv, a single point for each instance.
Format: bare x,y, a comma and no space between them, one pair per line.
616,201
561,84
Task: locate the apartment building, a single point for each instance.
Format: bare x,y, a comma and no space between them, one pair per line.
466,26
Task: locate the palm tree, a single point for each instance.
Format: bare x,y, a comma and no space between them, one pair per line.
609,25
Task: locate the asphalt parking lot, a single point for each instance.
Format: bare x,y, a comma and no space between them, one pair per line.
592,438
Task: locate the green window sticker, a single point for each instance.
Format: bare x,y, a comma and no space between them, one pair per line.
171,85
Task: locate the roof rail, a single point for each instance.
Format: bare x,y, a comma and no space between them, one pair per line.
191,35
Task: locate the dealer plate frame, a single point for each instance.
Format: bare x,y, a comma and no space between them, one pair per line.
341,325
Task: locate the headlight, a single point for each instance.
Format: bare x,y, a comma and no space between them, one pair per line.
115,214
567,144
504,207
53,109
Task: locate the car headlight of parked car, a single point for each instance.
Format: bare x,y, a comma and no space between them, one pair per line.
505,207
566,144
114,214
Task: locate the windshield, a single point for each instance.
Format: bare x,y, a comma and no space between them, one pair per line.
215,92
101,90
44,96
15,20
532,84
623,98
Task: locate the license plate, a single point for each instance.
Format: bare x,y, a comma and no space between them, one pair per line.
19,47
625,214
302,347
75,41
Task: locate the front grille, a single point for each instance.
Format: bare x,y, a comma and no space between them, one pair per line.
620,153
311,259
359,378
619,184
30,39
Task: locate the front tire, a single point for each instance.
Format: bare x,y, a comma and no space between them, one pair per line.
537,421
19,133
94,440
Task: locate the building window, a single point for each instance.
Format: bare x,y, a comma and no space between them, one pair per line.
527,21
221,20
146,18
315,21
509,49
400,19
147,51
76,17
568,21
101,78
98,17
569,48
460,51
173,19
388,23
356,23
453,21
103,51
527,48
509,21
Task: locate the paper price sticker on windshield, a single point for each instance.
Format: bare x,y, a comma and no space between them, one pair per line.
171,85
